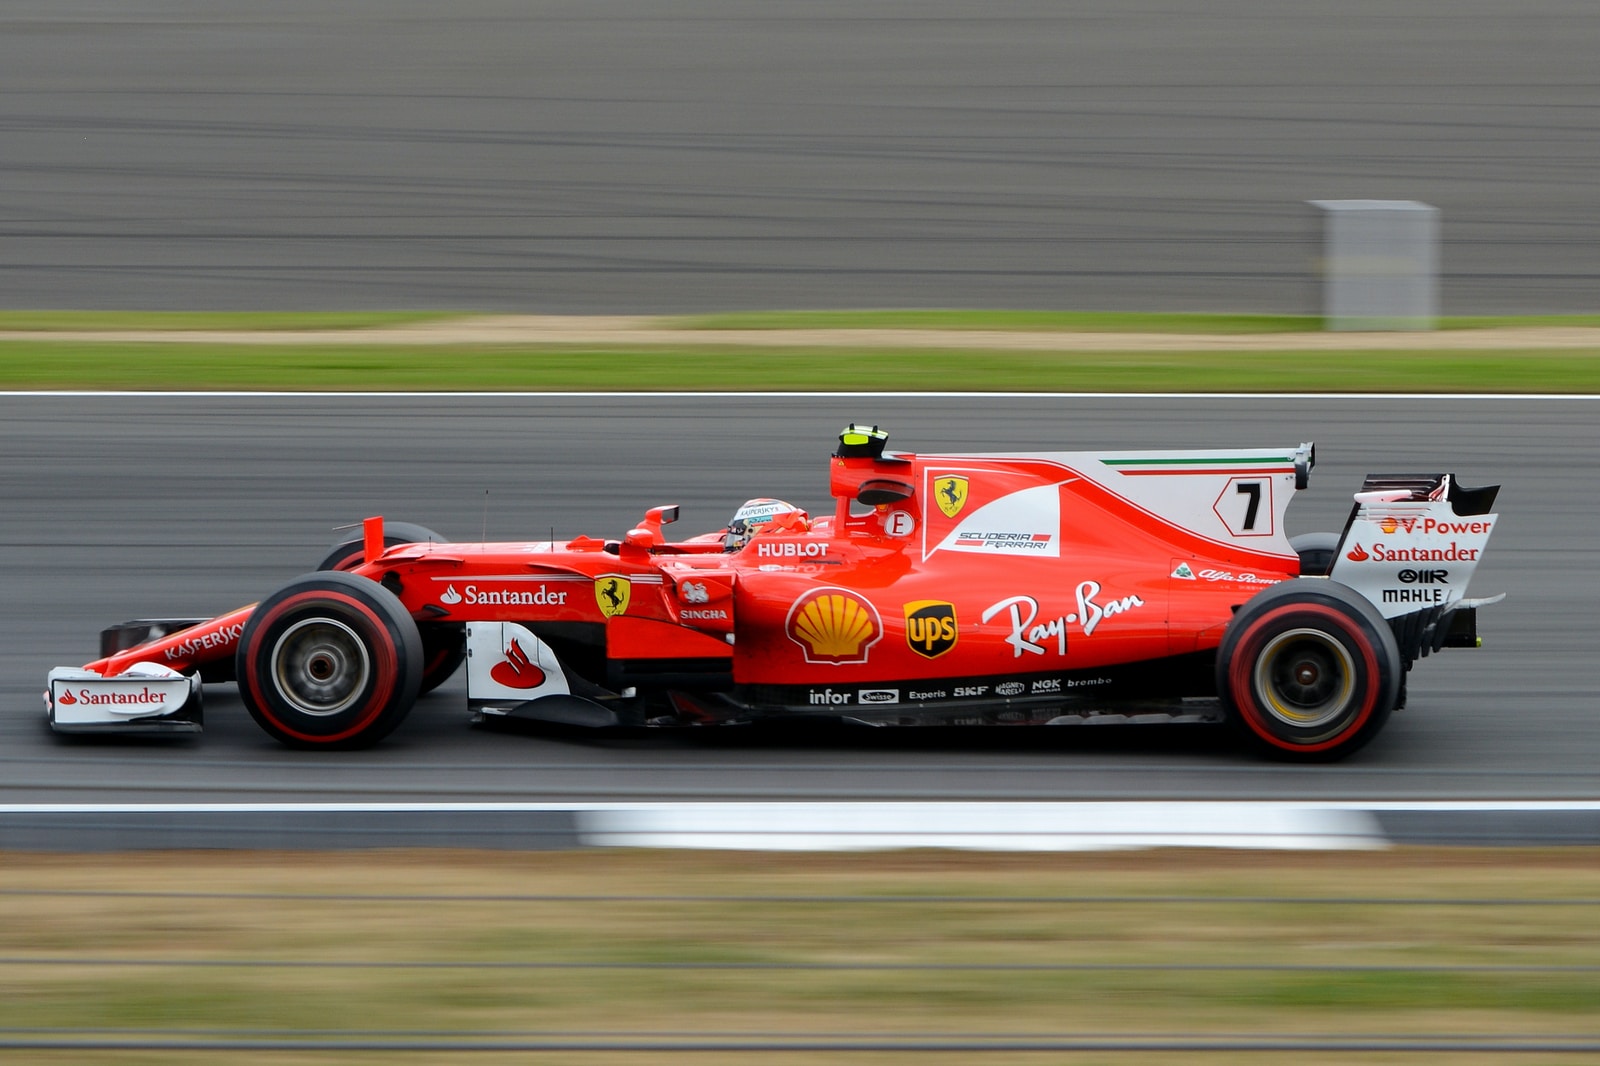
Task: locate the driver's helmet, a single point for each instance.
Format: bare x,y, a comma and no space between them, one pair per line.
752,515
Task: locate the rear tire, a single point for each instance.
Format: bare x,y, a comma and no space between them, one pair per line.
331,661
444,644
348,551
1309,670
1316,552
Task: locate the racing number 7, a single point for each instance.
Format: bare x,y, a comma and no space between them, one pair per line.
1251,489
1245,507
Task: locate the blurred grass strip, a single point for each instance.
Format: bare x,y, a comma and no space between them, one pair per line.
49,922
35,365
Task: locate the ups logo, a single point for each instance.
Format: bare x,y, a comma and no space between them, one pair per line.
931,627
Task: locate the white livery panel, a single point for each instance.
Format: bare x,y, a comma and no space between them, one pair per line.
148,696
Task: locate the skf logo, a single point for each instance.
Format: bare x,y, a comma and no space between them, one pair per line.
951,492
931,627
833,626
612,593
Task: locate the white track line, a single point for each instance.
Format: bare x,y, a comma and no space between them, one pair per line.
983,826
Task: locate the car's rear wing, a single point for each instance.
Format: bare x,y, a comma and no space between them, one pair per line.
1411,546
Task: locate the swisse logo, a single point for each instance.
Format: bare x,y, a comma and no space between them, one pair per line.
474,596
788,549
1010,688
878,695
225,637
1424,577
931,628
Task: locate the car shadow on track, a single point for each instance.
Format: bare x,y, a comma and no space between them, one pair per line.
825,735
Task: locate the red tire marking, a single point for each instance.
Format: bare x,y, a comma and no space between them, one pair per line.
1243,666
384,668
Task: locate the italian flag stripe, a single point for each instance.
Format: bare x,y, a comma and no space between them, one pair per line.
1202,460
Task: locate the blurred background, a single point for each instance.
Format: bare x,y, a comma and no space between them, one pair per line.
632,156
680,156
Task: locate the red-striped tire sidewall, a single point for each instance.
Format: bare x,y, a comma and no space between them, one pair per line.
349,560
1294,615
381,641
443,655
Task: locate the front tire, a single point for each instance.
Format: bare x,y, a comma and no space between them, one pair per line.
331,660
1309,670
444,644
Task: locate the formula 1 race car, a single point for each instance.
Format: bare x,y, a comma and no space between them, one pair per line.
1019,589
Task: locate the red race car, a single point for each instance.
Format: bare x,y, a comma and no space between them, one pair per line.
989,589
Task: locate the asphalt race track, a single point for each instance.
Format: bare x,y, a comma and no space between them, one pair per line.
620,156
125,506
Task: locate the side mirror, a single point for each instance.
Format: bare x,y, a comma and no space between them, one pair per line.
876,492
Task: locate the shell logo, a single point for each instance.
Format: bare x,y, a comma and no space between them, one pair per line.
833,626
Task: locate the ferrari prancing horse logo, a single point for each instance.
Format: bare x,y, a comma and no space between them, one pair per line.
612,594
951,492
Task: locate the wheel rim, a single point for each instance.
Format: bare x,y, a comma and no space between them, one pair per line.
1305,678
321,666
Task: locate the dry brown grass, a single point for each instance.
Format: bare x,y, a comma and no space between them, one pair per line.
45,919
